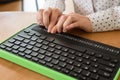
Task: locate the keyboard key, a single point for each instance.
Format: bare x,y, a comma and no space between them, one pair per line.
65,70
40,56
94,76
54,61
85,73
48,59
73,74
35,59
70,67
62,64
8,44
78,70
103,73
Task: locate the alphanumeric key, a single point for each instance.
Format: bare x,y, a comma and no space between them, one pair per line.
58,47
70,67
71,56
62,58
51,49
15,47
98,55
2,46
73,74
24,35
28,56
31,33
62,64
49,64
69,61
19,38
54,61
114,60
47,59
32,42
55,56
17,42
52,45
27,51
40,56
11,40
42,51
21,49
58,51
50,39
35,49
43,37
103,73
8,44
94,76
34,38
78,70
105,68
64,70
35,59
56,67
15,51
48,53
85,73
34,54
64,49
42,62
71,51
29,47
39,40
82,77
86,67
26,40
8,49
38,45
45,42
21,54
44,47
78,64
94,70
64,54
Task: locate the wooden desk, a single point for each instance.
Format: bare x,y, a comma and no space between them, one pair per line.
14,21
11,6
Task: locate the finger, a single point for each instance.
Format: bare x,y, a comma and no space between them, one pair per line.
54,18
54,30
46,17
68,21
60,23
40,16
71,26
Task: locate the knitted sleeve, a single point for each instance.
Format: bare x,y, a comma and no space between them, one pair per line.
55,4
106,20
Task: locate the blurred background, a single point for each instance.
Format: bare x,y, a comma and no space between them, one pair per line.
21,5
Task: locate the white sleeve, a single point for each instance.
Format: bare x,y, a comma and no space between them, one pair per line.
105,20
55,4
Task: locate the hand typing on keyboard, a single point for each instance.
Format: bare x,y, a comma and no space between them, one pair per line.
55,21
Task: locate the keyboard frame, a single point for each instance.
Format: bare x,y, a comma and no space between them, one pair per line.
39,68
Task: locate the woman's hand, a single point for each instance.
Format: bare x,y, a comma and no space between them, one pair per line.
48,17
74,20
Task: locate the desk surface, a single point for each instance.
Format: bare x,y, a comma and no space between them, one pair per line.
12,22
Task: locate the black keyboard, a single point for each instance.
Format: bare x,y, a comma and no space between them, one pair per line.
77,57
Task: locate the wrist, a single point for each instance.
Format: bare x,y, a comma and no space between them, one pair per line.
87,25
